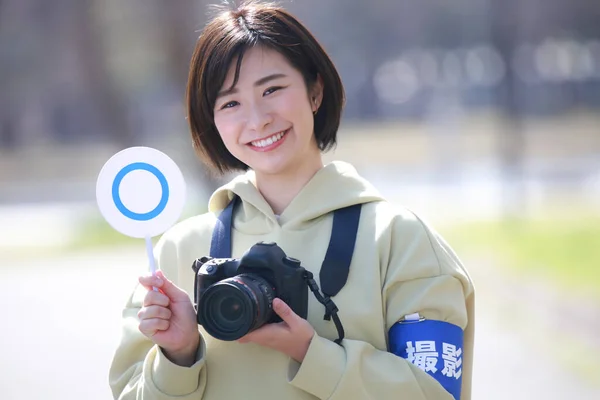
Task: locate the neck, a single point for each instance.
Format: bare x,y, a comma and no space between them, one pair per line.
280,189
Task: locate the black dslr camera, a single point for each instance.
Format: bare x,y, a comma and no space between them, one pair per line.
235,296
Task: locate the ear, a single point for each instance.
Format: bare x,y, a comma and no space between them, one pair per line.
316,94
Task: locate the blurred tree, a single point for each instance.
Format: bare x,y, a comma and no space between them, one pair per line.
180,23
108,98
505,36
8,131
114,55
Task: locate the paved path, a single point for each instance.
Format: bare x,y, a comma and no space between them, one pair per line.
60,326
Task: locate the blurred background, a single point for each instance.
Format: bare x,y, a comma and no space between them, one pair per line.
481,115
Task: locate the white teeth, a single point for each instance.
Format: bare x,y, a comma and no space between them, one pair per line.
268,141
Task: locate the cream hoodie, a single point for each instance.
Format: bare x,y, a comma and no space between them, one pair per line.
400,266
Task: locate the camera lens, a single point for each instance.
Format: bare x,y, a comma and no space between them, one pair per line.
235,306
231,309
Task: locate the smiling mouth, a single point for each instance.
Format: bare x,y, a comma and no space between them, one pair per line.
270,140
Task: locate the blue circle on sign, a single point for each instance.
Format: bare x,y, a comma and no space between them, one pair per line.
163,183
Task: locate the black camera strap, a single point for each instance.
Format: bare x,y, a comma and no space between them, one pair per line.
330,307
336,265
220,245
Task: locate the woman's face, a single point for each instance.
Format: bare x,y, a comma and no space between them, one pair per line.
266,120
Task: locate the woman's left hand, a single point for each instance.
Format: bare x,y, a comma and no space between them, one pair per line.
292,336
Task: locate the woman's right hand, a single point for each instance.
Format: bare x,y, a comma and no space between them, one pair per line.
168,318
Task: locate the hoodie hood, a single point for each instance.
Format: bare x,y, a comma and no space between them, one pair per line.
334,186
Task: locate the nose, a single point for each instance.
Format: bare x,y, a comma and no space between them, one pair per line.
259,117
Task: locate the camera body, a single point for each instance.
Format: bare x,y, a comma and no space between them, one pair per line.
235,295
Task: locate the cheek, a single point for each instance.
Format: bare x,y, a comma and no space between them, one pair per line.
306,122
297,110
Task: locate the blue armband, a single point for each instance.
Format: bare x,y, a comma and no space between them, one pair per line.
433,346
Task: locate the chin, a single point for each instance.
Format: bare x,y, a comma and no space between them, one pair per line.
271,169
274,167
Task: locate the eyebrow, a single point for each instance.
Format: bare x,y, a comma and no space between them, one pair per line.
259,82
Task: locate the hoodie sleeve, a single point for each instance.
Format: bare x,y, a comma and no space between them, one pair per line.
139,369
423,276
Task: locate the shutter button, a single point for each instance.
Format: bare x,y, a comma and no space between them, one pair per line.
292,262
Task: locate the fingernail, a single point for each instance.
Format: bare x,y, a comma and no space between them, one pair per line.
159,281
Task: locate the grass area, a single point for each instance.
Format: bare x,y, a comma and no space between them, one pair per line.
564,251
96,232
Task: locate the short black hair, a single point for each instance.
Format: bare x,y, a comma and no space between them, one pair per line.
226,37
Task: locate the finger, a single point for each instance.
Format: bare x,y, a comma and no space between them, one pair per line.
170,289
285,312
264,334
154,312
150,282
252,336
153,298
149,327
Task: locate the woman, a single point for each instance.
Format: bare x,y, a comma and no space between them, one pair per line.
263,97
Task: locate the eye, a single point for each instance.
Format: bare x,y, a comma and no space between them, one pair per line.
272,89
229,105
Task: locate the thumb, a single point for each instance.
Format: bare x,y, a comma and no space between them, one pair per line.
285,312
172,291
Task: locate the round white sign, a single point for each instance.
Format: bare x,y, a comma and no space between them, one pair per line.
140,192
